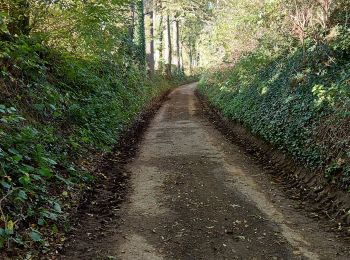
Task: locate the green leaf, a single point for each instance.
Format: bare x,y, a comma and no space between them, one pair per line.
35,236
36,177
49,215
57,207
45,172
11,110
22,195
53,107
17,158
25,180
13,151
5,184
9,227
41,222
49,160
54,229
18,240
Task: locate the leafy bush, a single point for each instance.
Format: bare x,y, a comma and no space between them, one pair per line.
55,109
298,101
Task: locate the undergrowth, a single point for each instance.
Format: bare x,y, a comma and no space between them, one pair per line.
298,99
57,109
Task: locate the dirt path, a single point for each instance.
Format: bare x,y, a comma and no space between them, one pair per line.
194,195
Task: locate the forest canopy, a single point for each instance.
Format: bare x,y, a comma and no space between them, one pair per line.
184,33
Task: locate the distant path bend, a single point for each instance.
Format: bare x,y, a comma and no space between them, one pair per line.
197,196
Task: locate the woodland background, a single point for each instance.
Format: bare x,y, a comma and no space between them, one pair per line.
75,74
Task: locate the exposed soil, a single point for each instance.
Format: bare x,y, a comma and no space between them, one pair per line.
195,195
310,188
97,218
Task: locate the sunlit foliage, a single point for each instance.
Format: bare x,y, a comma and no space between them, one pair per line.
73,77
288,79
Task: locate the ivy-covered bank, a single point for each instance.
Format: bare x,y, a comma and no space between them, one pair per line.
55,110
298,100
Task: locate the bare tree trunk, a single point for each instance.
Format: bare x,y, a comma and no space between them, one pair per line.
170,51
182,59
149,6
151,47
193,56
160,46
141,35
198,60
191,59
178,45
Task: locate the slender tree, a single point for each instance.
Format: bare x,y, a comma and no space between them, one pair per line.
161,38
170,48
150,48
141,36
177,23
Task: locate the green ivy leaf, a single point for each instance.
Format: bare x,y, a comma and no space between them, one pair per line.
35,236
45,172
41,222
17,158
5,184
2,109
13,151
49,215
49,160
11,110
25,180
22,195
57,207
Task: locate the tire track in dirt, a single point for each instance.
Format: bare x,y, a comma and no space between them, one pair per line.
196,196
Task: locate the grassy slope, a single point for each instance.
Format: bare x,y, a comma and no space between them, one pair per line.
55,110
299,102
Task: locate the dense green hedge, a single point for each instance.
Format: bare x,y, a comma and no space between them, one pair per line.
298,101
54,110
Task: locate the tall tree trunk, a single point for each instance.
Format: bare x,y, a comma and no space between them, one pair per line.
19,15
170,50
178,45
151,47
198,60
161,38
182,59
191,59
141,36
